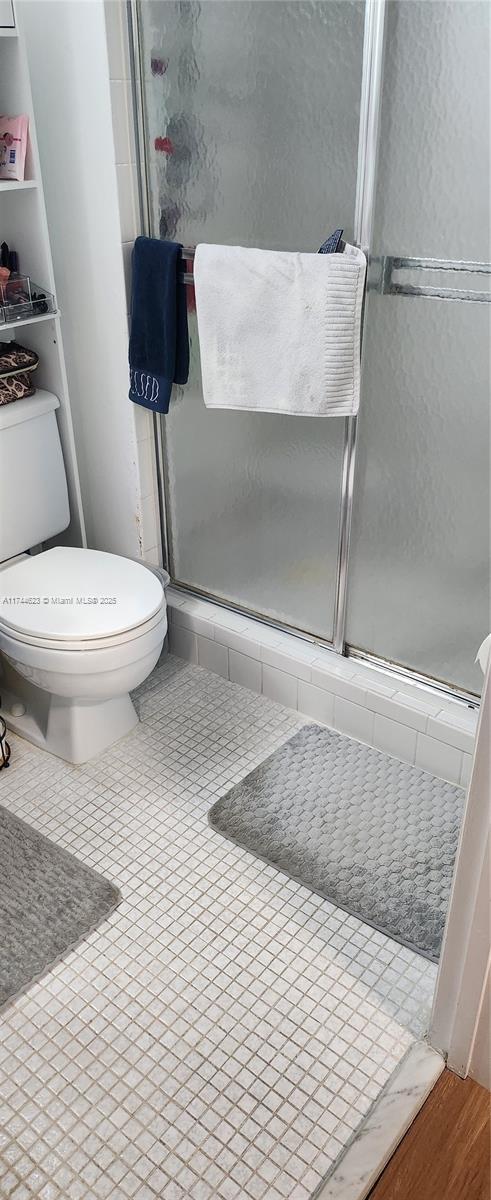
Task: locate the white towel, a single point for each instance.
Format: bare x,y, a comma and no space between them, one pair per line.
280,332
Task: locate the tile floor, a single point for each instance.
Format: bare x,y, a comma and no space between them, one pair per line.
222,1035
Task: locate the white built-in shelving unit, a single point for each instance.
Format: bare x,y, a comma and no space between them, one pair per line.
23,226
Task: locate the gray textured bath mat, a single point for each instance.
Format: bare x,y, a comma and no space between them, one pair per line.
49,901
375,836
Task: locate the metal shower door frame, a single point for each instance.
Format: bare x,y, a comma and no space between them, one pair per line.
366,178
370,104
368,141
143,187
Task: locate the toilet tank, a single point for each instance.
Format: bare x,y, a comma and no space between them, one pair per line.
33,488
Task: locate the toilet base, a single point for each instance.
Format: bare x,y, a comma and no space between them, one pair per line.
75,730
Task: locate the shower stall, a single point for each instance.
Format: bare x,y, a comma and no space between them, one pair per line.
269,123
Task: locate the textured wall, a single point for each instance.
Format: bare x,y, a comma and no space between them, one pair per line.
419,567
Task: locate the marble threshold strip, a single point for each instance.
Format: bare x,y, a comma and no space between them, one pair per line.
362,1161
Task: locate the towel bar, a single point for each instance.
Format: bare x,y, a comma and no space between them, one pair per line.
188,252
387,286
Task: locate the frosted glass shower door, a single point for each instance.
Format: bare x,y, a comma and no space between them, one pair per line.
251,114
419,567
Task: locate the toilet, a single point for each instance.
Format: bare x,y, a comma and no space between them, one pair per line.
79,629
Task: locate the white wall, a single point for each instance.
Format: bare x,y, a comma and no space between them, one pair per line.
67,51
461,1006
480,1064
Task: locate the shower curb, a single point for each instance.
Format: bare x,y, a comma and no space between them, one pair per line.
405,719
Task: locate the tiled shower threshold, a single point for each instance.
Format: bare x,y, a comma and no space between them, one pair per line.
225,1034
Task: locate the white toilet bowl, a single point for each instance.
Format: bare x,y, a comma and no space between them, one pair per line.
79,629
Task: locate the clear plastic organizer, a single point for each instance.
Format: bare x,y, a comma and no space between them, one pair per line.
21,299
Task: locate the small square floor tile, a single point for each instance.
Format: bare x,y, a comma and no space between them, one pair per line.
224,1031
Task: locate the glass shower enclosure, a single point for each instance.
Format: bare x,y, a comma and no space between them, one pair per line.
258,124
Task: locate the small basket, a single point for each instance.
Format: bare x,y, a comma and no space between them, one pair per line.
21,299
17,365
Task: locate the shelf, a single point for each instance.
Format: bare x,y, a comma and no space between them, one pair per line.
29,321
23,225
17,185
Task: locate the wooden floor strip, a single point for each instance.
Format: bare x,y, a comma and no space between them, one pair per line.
445,1155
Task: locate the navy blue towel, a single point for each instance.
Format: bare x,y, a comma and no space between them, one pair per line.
159,343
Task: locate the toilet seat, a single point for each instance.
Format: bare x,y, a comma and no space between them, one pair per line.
75,599
118,639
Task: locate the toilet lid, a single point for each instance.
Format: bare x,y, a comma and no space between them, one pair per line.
69,594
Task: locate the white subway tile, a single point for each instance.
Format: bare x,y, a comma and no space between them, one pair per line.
212,656
244,643
406,709
282,640
316,703
245,670
198,605
152,556
396,739
127,62
338,684
372,682
333,664
203,607
294,661
175,598
149,522
127,205
114,35
229,620
127,249
465,773
435,756
420,701
188,615
120,119
459,712
143,421
279,686
353,719
146,458
134,188
208,609
183,643
131,124
457,728
268,636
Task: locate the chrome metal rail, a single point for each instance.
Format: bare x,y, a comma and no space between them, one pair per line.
383,270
